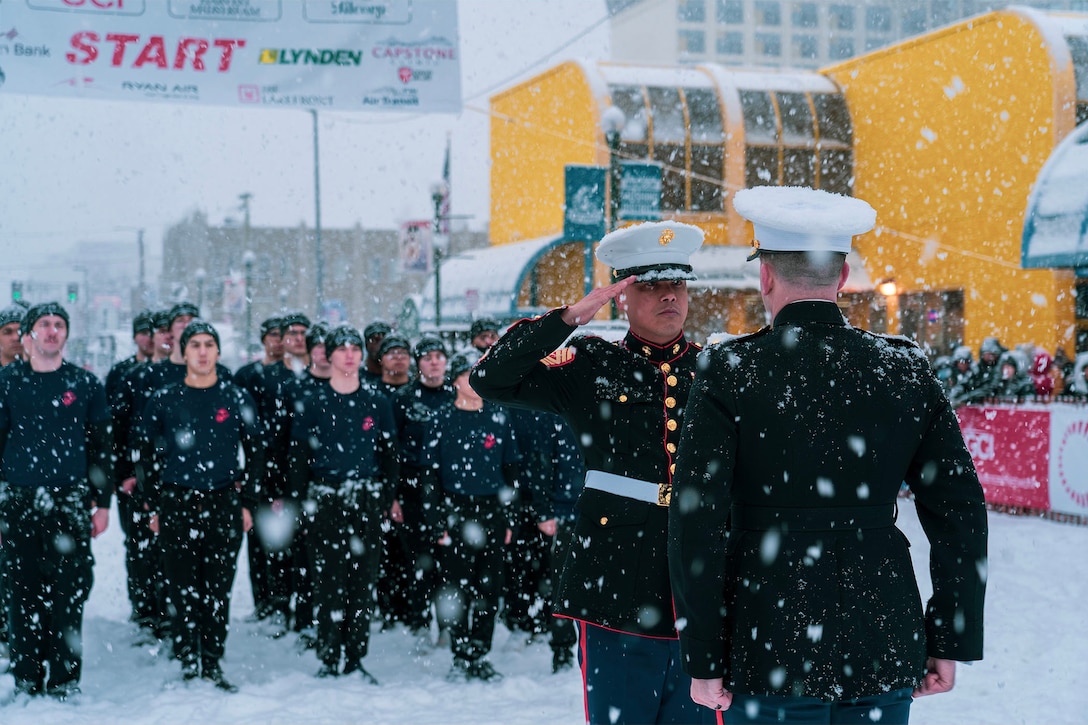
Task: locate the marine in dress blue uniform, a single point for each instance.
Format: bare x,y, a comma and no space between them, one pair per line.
625,402
795,589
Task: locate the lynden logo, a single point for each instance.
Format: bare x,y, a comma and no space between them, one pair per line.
68,398
309,56
408,75
222,415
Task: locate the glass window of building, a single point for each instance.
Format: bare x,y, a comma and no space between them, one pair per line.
841,17
730,12
1078,48
634,139
730,43
841,48
835,143
760,139
768,44
805,15
691,11
692,41
768,12
669,145
914,21
798,140
707,149
805,47
878,18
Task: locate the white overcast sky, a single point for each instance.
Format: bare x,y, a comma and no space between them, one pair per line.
73,170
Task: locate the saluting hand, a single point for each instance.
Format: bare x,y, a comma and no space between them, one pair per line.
584,309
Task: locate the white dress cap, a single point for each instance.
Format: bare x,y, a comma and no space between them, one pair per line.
651,250
800,219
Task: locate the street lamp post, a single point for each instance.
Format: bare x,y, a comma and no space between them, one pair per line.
200,274
247,259
612,122
439,190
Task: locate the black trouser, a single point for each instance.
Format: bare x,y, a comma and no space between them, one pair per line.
302,583
143,564
394,573
271,549
345,550
472,572
563,631
420,576
526,576
46,534
200,533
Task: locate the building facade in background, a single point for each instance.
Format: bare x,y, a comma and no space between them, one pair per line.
783,33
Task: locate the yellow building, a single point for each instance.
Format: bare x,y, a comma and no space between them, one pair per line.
945,135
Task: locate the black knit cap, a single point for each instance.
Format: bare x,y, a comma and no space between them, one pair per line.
461,363
426,345
143,322
376,328
160,319
198,327
393,341
12,313
315,335
342,335
183,308
272,323
41,310
482,325
294,317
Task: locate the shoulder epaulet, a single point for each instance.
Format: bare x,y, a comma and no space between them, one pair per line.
559,358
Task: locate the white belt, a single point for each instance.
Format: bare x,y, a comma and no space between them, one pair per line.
655,493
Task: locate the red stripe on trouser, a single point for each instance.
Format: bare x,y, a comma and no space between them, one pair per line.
582,665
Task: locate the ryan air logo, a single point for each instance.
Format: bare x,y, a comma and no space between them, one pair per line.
309,56
222,415
68,398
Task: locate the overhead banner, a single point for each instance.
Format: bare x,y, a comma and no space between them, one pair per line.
337,55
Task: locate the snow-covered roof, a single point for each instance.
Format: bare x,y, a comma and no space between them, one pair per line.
1056,222
485,282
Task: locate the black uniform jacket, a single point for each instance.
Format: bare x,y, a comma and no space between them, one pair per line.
624,402
789,575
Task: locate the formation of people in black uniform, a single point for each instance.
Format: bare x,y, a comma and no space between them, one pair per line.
693,520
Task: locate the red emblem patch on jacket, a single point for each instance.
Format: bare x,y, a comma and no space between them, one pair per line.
368,423
559,358
222,415
489,441
68,398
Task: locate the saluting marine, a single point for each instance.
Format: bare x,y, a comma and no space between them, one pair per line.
625,403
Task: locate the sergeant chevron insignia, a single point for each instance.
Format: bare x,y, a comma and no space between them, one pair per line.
559,358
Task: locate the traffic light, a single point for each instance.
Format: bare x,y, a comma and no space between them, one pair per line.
16,291
73,292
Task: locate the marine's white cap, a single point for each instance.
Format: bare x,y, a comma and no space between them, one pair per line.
651,250
800,219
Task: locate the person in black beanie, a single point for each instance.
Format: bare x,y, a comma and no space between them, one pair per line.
201,504
56,488
414,406
373,335
483,333
11,346
344,463
293,327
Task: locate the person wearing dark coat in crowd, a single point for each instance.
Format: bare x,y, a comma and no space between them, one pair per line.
625,402
57,482
373,335
11,346
483,333
796,591
199,469
414,407
475,468
344,463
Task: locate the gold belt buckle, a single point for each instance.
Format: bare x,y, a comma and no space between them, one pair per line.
664,494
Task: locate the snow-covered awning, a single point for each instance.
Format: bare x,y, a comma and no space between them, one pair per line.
485,282
1056,222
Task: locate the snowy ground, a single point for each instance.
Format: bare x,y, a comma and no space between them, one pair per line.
1034,672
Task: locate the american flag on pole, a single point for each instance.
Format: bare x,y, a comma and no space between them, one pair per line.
444,208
